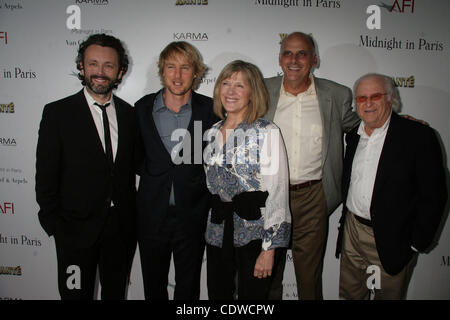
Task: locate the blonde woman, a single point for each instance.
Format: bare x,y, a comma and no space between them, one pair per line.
247,174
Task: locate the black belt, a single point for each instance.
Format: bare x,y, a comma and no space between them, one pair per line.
246,205
365,222
295,187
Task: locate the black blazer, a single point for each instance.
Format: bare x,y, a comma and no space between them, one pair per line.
159,171
409,194
74,185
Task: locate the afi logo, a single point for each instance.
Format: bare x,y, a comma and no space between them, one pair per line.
7,207
4,35
404,4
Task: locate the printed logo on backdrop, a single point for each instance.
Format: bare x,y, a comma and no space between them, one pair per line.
445,262
17,73
374,22
190,36
330,4
22,240
399,6
191,2
4,37
93,2
11,271
84,33
10,6
290,291
7,142
12,175
404,82
7,208
394,43
208,81
73,21
7,107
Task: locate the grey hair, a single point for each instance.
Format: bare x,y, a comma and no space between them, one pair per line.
389,86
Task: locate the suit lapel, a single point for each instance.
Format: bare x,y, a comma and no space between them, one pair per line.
274,96
153,130
191,146
120,131
196,115
325,107
352,143
387,156
91,129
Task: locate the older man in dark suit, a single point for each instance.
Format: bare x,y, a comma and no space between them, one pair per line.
87,152
394,195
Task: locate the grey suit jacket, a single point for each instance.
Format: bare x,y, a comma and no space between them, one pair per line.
335,104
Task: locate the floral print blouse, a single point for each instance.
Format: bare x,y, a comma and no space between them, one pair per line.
252,159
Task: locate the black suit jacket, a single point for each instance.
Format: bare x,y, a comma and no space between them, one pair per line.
159,171
409,194
74,185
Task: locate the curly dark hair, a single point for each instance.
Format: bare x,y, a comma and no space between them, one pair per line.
104,41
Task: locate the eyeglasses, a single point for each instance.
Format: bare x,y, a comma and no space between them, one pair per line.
374,97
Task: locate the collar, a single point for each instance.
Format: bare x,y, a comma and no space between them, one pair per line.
309,92
378,131
160,106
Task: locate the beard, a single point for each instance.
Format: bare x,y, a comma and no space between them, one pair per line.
99,88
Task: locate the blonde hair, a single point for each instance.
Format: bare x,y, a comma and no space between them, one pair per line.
259,97
190,52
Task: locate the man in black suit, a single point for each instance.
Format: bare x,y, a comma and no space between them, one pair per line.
173,200
394,195
87,153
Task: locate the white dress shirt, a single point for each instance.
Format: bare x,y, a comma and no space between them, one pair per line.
364,169
98,119
301,123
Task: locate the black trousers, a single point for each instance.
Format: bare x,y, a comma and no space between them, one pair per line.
156,251
226,263
77,267
222,273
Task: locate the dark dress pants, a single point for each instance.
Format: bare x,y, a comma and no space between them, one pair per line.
226,263
174,238
77,267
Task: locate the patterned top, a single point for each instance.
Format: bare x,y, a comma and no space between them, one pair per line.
252,159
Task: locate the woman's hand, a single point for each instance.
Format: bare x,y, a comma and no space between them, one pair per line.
264,264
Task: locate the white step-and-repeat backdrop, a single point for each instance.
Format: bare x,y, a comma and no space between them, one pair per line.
405,39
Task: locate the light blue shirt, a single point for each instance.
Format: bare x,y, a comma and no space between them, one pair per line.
167,121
